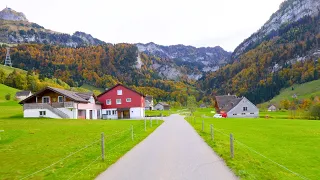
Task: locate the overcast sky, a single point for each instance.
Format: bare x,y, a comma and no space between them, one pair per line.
224,23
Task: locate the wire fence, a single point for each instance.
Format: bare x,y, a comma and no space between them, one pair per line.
208,131
99,150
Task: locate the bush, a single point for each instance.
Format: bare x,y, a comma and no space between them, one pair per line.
7,97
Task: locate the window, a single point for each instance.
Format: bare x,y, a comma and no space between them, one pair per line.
128,99
114,112
243,113
119,92
251,113
234,114
60,99
245,108
118,101
108,102
45,99
42,113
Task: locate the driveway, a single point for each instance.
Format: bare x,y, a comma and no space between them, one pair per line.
173,151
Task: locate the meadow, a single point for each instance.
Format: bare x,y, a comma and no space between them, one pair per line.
38,148
260,143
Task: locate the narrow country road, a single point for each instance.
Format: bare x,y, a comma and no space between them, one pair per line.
173,151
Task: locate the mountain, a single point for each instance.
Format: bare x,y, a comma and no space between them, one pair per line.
15,28
285,51
204,59
290,11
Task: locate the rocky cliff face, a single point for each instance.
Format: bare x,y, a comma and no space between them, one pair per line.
204,59
11,15
290,11
15,28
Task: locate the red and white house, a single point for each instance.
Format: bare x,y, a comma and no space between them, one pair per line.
121,102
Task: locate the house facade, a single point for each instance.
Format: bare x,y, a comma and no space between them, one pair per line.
236,107
272,108
58,103
21,95
149,102
121,102
162,106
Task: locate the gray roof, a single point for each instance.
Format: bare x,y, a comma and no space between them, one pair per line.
227,102
23,93
149,98
163,104
76,96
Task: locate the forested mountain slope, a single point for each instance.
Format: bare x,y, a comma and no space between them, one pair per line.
287,54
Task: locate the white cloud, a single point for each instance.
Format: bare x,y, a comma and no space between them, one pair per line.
199,22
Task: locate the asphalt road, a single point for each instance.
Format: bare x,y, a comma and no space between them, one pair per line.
173,151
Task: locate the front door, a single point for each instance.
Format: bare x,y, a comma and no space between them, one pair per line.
90,114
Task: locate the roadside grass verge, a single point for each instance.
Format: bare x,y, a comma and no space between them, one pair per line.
30,145
291,143
164,113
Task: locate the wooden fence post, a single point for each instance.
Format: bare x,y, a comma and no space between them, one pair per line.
145,124
151,122
211,129
102,146
132,132
231,146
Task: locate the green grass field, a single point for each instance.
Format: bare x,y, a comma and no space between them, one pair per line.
164,113
291,143
9,70
303,91
29,145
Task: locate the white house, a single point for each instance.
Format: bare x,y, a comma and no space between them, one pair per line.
21,95
272,108
162,106
235,106
148,102
58,103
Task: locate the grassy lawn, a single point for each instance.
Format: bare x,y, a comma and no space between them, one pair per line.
8,69
29,145
291,143
157,113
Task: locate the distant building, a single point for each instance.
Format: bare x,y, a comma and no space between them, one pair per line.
21,95
272,108
234,106
149,102
121,102
162,106
202,105
59,103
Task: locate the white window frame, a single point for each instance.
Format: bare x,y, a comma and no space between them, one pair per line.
62,99
118,101
245,108
119,92
107,102
128,99
43,97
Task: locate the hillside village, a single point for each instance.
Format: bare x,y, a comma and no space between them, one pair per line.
73,106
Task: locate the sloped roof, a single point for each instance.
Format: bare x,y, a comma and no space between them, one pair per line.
76,96
23,93
227,102
163,104
149,98
122,86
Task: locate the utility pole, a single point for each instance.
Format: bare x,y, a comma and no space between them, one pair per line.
7,61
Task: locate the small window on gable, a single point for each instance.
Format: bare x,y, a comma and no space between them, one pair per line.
119,92
128,99
245,108
108,102
60,99
118,101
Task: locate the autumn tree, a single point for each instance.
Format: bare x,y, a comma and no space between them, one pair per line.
191,104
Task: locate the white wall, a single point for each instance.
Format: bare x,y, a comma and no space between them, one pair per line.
158,107
72,114
35,113
137,112
238,109
112,116
94,114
